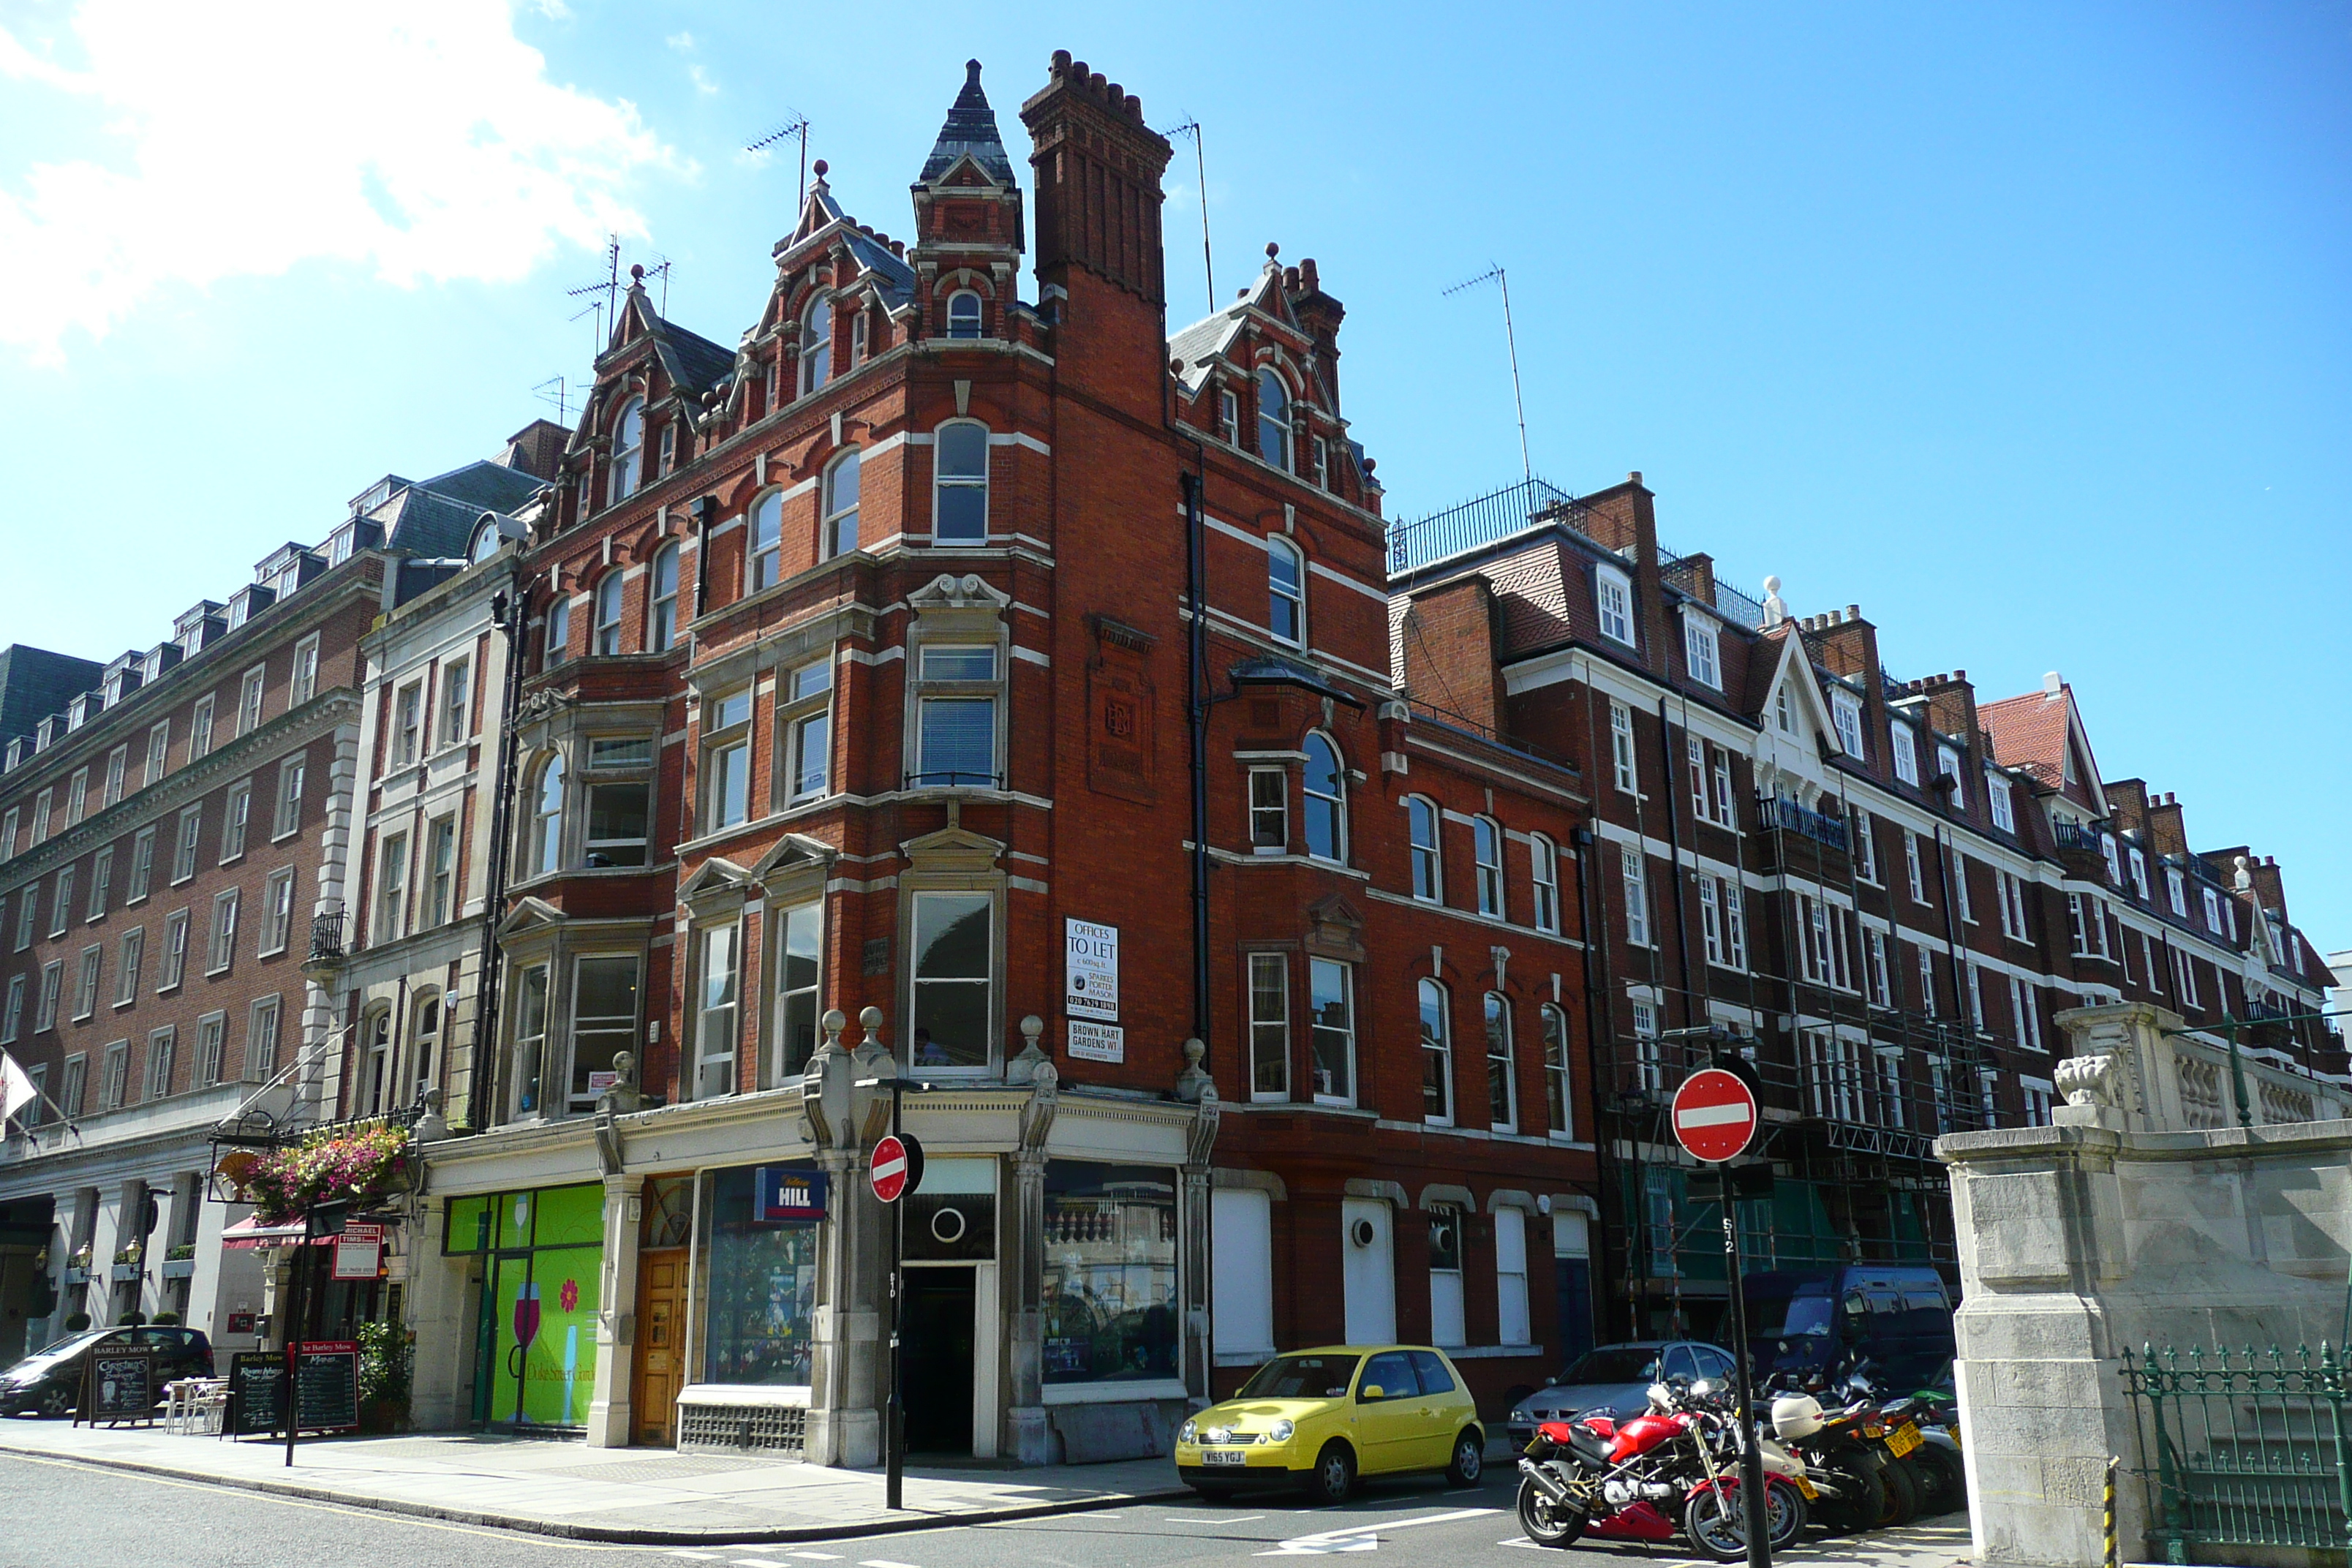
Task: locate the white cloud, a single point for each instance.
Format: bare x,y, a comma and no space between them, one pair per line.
702,82
681,42
419,138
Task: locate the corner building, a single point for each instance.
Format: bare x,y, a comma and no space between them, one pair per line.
881,668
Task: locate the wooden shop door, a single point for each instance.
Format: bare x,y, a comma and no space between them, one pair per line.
661,1343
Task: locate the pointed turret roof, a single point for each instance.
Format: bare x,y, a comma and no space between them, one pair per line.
971,130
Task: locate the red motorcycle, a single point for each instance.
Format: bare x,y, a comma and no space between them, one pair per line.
1673,1469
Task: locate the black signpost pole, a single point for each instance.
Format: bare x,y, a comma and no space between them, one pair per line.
294,1343
1751,1448
895,1480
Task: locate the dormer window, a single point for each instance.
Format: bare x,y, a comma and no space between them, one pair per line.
1846,712
2004,814
963,314
817,345
1699,650
1949,761
1273,420
1906,755
1287,592
628,451
1614,597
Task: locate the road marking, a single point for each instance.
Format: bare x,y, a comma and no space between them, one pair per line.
1196,1519
1364,1537
817,1556
883,1563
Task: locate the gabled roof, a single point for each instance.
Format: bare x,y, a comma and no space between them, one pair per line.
693,363
1210,337
970,132
2033,731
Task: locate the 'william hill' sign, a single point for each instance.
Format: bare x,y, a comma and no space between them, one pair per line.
782,1195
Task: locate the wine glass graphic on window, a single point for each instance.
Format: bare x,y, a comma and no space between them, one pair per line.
526,1329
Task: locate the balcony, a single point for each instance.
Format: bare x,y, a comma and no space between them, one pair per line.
1780,812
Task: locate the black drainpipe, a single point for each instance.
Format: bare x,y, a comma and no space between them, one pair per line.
1608,1286
705,508
511,614
1196,663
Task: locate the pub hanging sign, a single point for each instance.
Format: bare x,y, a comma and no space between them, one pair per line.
1091,967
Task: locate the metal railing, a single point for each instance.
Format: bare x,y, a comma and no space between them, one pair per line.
949,778
2082,837
1512,510
2242,1448
1729,601
1780,811
327,937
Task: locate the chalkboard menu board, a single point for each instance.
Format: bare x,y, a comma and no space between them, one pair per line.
327,1385
255,1382
120,1384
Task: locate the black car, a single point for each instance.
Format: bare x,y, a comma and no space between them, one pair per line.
48,1381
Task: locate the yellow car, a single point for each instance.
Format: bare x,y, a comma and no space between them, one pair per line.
1320,1418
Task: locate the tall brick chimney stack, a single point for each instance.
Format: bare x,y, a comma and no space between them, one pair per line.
1101,273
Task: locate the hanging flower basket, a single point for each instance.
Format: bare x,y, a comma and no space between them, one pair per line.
349,1167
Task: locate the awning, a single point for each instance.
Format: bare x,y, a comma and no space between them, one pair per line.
249,1233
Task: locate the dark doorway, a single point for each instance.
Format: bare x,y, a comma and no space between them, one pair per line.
1575,1287
936,1350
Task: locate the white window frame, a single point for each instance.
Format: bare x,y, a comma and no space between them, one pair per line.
2004,811
610,607
1266,982
1620,748
1285,600
1334,805
717,1003
965,310
1343,1030
252,699
456,701
52,981
804,719
1613,602
1502,1062
1914,863
86,981
391,922
277,911
1543,873
1846,712
838,523
1906,754
304,684
1559,1073
723,779
130,958
764,541
1701,652
624,475
1955,768
220,949
286,818
817,345
1862,835
1426,857
944,484
174,967
661,598
1433,1012
159,757
1634,871
1486,841
1269,811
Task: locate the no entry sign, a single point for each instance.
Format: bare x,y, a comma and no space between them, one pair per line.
1714,1115
897,1168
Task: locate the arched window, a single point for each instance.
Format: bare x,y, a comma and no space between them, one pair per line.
1436,1055
963,314
959,483
628,451
559,631
547,819
1286,582
1556,1080
1486,844
375,1033
841,505
1544,856
1428,868
661,618
817,345
607,639
1327,800
1273,420
1502,1081
425,1042
765,540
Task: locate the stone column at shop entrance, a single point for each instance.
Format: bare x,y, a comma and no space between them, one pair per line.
1028,1439
846,1363
609,1412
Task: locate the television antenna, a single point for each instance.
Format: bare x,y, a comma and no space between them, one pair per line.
609,287
1191,129
559,397
794,125
1495,274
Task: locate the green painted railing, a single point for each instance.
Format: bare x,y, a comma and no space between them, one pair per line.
2242,1448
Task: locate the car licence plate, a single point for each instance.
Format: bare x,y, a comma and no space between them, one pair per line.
1225,1457
1903,1439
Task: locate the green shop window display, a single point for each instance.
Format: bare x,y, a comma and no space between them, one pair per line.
535,1344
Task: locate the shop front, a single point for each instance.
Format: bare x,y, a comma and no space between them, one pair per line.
537,1293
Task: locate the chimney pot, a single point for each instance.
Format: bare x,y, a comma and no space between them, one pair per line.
1061,61
1853,612
2051,684
1959,674
1633,477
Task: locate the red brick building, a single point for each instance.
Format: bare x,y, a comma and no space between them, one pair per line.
886,665
1883,893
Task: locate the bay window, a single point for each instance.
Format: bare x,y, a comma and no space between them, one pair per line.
956,716
717,1008
603,1023
952,1005
799,967
1327,800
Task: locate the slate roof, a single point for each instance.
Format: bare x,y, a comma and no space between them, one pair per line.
492,487
971,130
1203,340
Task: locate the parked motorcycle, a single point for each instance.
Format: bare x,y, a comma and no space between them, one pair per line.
1847,1467
1673,1468
1936,1458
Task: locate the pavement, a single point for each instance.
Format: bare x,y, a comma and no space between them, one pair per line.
64,1513
554,1487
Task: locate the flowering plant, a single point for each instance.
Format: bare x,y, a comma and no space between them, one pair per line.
286,1183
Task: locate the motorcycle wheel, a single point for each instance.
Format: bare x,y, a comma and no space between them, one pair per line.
1900,1504
1713,1521
1943,1486
1543,1526
1857,1478
1786,1515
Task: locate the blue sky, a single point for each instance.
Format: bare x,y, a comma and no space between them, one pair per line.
2023,327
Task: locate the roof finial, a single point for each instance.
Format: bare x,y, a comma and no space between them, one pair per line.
820,168
1775,609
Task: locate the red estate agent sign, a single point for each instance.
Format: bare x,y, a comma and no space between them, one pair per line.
897,1168
1714,1115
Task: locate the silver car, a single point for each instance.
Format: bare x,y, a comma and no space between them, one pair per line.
1615,1380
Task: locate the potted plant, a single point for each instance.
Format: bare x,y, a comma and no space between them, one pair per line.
127,1261
78,1267
76,1321
179,1262
385,1351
